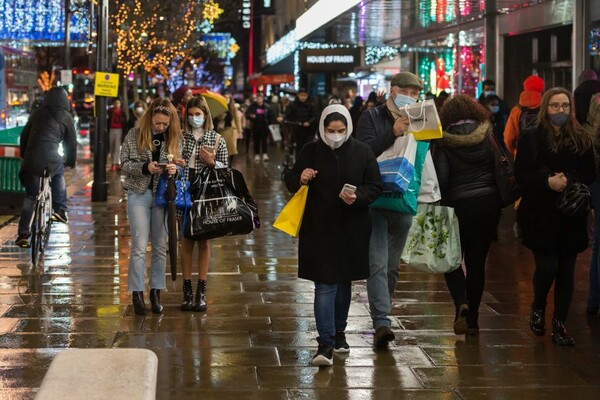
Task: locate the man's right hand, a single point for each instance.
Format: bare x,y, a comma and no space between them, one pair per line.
400,126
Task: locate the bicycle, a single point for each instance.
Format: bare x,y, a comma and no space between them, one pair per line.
289,156
41,220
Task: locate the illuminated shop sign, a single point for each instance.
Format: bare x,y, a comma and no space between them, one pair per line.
246,14
330,60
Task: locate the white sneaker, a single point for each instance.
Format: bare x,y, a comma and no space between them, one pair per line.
265,157
257,158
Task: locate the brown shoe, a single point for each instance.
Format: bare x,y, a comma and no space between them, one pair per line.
460,322
383,336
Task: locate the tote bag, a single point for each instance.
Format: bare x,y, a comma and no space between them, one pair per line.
433,243
289,219
396,164
430,187
423,120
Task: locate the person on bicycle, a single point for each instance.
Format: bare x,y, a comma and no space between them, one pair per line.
48,127
302,117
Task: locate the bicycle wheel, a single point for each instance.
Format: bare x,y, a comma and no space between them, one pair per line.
36,233
47,220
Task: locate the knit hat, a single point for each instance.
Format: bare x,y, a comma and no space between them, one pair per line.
406,79
534,84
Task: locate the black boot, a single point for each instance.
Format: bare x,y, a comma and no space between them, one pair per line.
473,323
559,334
188,296
138,303
157,308
200,300
537,321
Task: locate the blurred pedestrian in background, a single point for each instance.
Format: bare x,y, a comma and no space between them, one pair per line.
260,115
558,153
116,124
333,248
135,116
144,158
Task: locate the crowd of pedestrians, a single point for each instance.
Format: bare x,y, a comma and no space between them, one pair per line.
552,134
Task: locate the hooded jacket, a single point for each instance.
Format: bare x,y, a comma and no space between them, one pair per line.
464,162
48,127
334,236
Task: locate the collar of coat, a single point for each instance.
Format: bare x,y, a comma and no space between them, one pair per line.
474,137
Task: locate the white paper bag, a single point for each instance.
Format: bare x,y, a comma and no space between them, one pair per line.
275,130
424,121
430,187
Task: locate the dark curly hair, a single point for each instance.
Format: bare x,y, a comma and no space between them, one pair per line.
462,107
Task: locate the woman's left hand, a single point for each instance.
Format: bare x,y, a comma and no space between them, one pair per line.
207,156
348,198
171,168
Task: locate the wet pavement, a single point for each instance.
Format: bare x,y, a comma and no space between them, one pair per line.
258,336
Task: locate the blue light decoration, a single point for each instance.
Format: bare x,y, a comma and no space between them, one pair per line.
42,22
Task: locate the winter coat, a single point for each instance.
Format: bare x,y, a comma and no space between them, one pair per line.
544,229
48,127
260,116
301,112
464,163
376,128
527,99
334,237
588,115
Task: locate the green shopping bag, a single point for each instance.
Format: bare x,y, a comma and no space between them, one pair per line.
433,243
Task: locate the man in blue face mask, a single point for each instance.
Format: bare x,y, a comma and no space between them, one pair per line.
379,127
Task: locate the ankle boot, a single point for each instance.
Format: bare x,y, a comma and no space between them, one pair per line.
188,296
138,303
559,334
537,321
200,300
473,323
157,308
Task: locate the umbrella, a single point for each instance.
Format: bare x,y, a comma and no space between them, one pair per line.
172,223
217,103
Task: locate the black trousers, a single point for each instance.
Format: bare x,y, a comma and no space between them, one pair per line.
478,221
557,268
259,137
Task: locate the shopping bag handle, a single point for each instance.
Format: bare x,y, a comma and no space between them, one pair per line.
421,115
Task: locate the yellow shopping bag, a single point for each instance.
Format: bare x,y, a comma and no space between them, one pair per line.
290,217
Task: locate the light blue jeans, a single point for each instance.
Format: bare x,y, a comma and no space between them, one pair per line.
388,237
332,303
594,296
145,219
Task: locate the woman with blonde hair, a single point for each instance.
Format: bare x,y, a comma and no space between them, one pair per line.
202,147
228,124
552,158
144,158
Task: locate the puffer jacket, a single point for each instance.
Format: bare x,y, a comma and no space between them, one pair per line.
464,162
48,127
301,112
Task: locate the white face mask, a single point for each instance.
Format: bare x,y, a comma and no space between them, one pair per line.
336,137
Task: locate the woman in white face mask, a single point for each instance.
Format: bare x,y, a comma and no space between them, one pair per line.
202,146
343,179
135,116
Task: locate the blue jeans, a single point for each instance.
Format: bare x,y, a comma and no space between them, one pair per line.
332,302
388,237
32,188
145,218
594,296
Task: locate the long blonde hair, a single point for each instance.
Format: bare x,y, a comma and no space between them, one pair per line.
163,106
571,134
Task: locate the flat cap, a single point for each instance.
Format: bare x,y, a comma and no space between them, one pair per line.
406,79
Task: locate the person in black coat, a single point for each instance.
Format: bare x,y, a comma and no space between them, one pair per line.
464,163
301,117
549,159
334,237
47,128
261,116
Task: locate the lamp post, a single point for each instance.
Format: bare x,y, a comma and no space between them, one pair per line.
67,34
100,186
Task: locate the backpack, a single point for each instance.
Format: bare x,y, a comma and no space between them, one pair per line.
527,119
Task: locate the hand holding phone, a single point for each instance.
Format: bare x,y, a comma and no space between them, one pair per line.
348,188
161,164
348,194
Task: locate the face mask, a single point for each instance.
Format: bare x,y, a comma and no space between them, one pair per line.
139,110
334,140
402,100
489,93
196,121
494,109
559,119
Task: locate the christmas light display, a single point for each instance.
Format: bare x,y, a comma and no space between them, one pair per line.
41,21
211,11
375,54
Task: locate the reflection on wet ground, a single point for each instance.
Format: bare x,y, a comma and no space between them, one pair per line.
257,337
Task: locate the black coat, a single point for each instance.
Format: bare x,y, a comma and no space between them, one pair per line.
334,237
376,128
544,229
47,127
261,117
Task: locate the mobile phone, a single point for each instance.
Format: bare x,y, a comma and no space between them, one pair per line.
209,148
348,188
161,164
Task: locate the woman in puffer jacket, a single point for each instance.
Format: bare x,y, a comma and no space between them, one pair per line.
464,161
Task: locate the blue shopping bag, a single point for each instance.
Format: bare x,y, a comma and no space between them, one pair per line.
396,174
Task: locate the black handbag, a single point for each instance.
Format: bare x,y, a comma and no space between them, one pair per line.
575,200
222,205
504,173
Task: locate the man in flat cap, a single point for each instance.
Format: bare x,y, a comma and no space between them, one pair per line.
379,127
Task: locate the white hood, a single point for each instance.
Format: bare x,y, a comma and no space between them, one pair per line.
329,110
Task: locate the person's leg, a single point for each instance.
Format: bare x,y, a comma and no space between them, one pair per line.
563,285
139,215
398,227
159,237
263,143
187,251
116,151
546,267
256,141
457,286
200,303
343,298
112,137
32,187
59,189
377,285
324,308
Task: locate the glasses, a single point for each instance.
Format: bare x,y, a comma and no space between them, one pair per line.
557,106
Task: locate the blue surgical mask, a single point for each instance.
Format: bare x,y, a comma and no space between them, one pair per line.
402,100
559,119
494,109
489,93
196,121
